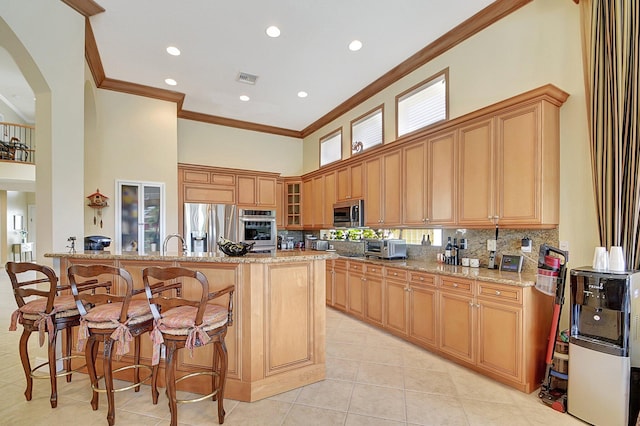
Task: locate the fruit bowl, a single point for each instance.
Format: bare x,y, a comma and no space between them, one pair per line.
234,249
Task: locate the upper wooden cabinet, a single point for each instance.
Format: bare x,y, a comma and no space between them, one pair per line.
293,204
256,191
349,182
477,171
429,175
204,185
281,205
383,190
509,168
329,198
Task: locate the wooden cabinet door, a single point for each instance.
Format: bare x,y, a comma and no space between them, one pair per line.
423,314
374,295
318,201
355,291
476,205
329,198
329,282
307,203
340,284
281,207
293,205
392,189
373,193
441,180
457,322
247,191
355,181
266,192
520,167
500,345
343,190
349,182
396,306
414,177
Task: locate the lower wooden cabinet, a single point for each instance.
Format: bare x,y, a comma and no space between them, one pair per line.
355,289
329,284
499,330
340,281
457,319
374,295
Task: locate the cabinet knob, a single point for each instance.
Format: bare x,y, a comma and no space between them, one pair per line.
471,304
421,278
498,293
395,274
455,284
477,305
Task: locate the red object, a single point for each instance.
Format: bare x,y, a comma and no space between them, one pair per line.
552,262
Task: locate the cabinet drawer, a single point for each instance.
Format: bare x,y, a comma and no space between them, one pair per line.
357,266
339,264
457,284
373,269
223,179
397,274
422,278
196,176
499,292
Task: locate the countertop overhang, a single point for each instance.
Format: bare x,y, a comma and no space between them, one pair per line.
279,256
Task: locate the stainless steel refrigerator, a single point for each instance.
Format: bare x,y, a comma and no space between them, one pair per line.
205,223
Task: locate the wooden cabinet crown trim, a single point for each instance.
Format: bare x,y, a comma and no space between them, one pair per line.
224,170
548,92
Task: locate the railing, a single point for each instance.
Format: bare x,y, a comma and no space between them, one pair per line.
17,142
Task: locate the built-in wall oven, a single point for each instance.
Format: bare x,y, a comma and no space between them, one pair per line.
259,227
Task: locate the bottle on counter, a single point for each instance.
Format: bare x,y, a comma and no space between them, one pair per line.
454,252
428,240
447,251
424,240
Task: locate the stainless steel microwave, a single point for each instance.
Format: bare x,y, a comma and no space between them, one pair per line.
348,214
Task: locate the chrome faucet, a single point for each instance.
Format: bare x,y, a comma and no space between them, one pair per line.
178,236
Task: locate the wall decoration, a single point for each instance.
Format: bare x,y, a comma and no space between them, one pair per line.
97,202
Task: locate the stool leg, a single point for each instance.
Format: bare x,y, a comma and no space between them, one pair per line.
221,348
67,352
170,378
108,379
91,355
154,383
24,357
52,369
136,362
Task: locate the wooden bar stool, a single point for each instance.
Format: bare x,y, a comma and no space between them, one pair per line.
114,320
44,311
182,323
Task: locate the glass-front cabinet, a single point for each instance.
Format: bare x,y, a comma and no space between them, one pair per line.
140,217
293,219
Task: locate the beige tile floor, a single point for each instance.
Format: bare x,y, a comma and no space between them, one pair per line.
372,379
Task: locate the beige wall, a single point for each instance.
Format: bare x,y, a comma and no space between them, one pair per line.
536,45
48,46
211,145
130,138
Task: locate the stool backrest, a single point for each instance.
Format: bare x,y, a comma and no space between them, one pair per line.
93,284
157,280
25,276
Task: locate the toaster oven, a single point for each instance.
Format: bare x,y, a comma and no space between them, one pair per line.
386,249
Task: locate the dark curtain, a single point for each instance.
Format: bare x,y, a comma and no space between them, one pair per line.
610,55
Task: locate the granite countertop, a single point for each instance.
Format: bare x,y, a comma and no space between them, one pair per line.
484,274
277,257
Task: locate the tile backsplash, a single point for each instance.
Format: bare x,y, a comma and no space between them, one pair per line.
509,242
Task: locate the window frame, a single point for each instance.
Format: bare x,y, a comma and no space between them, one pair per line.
324,139
416,89
363,118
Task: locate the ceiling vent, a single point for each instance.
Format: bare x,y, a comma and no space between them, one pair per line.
246,78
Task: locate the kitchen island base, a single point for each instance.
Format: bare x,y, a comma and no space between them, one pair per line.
277,340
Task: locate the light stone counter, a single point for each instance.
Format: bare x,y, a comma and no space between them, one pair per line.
484,274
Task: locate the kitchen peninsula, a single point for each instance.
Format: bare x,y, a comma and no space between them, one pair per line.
277,340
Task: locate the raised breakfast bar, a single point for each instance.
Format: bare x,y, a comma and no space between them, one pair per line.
277,340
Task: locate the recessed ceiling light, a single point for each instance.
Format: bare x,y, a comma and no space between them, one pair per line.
355,45
273,31
170,81
172,50
244,98
302,94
